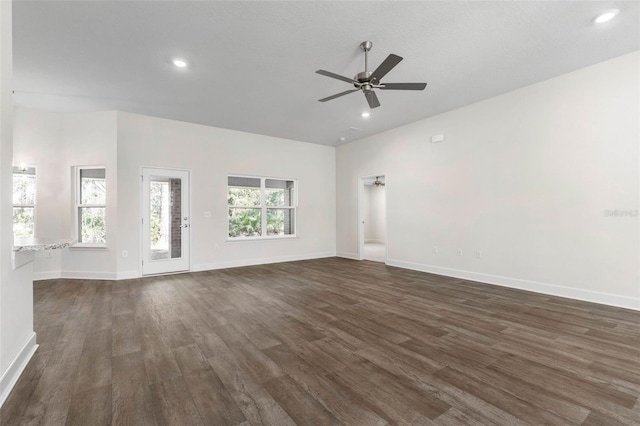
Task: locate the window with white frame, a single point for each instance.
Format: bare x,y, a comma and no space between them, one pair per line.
261,207
91,206
24,201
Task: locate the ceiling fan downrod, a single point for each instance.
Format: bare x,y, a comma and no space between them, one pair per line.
363,78
366,46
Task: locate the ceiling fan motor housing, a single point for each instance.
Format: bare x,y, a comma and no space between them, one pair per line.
363,77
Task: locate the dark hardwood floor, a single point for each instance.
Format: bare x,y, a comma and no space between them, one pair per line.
323,342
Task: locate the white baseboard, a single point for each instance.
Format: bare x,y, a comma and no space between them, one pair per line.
10,377
258,261
47,275
374,241
83,275
87,275
534,286
128,275
347,255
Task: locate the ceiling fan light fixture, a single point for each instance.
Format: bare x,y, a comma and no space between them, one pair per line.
378,182
606,16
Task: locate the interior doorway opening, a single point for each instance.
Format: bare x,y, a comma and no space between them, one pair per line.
373,219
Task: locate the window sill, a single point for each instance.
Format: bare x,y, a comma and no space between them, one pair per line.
279,237
80,246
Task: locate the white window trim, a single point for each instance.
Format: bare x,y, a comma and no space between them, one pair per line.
77,206
263,210
35,216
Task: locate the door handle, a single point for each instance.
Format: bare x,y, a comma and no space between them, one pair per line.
184,226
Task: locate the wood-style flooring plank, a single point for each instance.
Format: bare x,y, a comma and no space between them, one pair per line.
131,395
94,366
256,404
333,398
173,405
92,407
212,399
301,406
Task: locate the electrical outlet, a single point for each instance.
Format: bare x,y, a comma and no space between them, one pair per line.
459,252
207,214
125,253
478,254
436,250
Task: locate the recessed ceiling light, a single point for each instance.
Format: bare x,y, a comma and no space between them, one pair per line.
180,63
606,16
342,138
365,114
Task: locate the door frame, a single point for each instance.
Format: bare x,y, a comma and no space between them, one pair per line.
141,224
361,185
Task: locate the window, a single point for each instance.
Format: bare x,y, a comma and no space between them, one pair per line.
24,202
261,207
91,206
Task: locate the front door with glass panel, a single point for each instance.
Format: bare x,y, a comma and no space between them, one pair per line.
165,221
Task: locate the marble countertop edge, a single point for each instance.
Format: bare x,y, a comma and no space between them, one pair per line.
37,244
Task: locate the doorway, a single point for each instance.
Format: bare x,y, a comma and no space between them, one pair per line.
373,220
165,221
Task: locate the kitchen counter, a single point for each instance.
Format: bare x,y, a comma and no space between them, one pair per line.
24,249
39,244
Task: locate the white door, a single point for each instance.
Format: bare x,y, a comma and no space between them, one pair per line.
165,220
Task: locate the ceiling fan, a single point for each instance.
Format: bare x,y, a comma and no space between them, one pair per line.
367,80
378,182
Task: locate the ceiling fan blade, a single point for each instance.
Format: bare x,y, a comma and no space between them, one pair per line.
402,86
372,99
346,92
333,75
386,66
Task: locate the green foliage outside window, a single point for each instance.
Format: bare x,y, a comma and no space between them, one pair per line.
275,222
155,208
92,223
244,197
23,222
245,223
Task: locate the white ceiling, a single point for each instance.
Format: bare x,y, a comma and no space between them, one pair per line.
252,64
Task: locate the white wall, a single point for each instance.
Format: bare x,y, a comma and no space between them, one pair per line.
211,154
37,142
524,178
55,143
17,339
90,140
375,214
